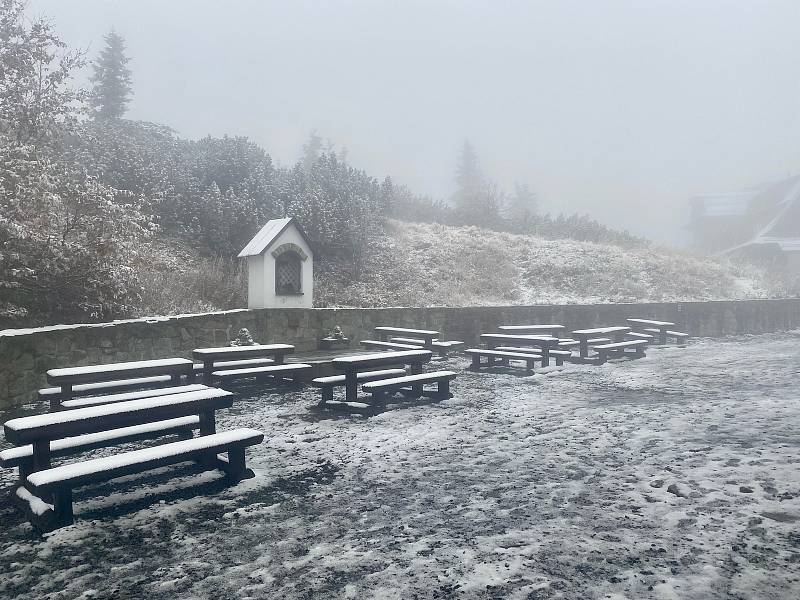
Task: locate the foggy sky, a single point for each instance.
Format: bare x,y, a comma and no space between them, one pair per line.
622,109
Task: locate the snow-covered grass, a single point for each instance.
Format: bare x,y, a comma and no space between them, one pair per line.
417,264
674,476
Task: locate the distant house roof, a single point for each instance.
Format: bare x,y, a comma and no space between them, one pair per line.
722,205
780,203
270,232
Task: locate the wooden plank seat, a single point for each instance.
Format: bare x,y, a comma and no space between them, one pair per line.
621,349
412,384
326,384
88,389
60,481
442,348
552,329
380,345
67,378
427,335
559,355
678,336
294,371
125,396
637,335
491,355
222,365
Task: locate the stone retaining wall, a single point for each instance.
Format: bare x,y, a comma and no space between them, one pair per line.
25,355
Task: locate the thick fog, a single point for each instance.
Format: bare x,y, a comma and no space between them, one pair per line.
622,109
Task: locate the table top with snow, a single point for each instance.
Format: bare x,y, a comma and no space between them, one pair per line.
381,358
673,476
600,331
653,323
226,351
404,330
54,375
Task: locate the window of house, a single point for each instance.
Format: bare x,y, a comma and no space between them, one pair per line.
288,274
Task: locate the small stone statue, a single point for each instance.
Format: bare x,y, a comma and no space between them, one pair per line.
243,338
334,339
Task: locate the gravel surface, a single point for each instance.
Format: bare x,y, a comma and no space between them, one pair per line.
674,476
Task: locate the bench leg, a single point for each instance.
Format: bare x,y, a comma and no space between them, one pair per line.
662,338
41,460
327,395
476,362
208,367
62,507
237,470
601,357
559,361
444,387
416,390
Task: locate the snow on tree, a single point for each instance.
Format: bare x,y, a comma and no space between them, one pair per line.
36,100
112,90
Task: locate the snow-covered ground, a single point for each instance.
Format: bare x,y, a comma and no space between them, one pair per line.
675,476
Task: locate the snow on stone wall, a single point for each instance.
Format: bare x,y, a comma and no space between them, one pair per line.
26,354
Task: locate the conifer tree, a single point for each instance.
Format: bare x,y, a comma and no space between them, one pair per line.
112,79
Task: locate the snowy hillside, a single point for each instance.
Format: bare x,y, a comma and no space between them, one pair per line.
423,264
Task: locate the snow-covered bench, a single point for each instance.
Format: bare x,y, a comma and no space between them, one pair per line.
115,376
295,371
633,348
60,481
381,345
326,384
65,432
637,335
665,334
559,355
410,384
658,328
426,335
210,357
441,347
504,357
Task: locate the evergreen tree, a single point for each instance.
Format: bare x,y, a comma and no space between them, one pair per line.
469,181
112,79
522,208
311,151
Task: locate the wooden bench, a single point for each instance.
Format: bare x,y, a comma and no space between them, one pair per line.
410,384
294,371
658,328
61,433
554,330
381,345
477,353
590,337
543,343
636,335
51,394
559,355
426,335
212,356
67,378
326,384
355,364
621,349
441,347
222,365
125,396
60,481
665,334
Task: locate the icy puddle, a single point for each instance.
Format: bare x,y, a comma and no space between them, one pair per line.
675,476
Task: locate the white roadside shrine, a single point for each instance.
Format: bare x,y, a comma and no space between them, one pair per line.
280,267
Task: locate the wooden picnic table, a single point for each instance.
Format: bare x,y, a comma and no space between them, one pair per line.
662,326
426,335
543,342
208,356
554,330
352,365
584,335
65,378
